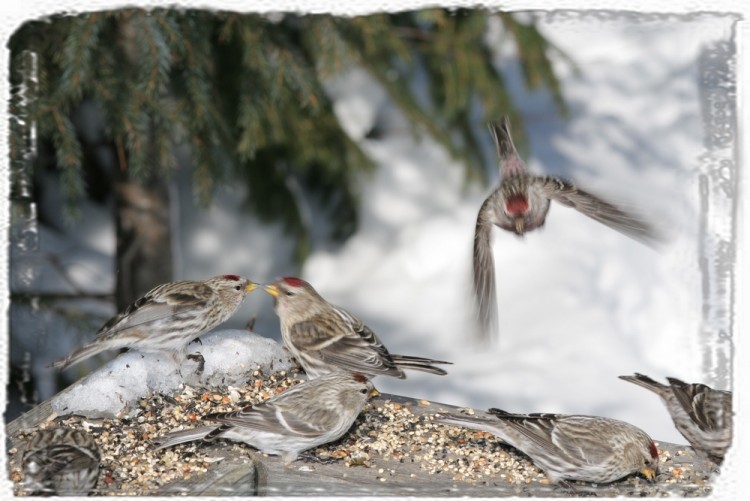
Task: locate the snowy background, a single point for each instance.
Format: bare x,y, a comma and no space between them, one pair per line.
579,304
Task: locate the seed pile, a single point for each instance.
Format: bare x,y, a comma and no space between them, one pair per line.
393,442
128,465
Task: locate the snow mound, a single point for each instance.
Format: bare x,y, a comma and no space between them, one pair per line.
228,357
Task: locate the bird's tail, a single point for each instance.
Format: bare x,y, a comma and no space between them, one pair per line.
419,364
465,421
510,162
80,355
180,437
645,382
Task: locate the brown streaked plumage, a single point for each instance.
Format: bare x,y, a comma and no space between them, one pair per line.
324,338
60,462
310,414
168,317
701,414
571,447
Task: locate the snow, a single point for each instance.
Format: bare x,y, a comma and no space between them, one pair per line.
229,356
579,304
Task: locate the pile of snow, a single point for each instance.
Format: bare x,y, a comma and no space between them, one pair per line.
229,356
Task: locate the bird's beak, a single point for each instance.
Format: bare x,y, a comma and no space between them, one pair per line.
250,287
271,289
519,225
649,473
374,393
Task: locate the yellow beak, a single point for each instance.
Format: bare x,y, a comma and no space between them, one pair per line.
519,225
374,393
649,473
250,287
271,289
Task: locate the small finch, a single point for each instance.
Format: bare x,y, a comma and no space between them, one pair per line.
61,462
168,317
324,338
313,413
701,414
520,204
588,448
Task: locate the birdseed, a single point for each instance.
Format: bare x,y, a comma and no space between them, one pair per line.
389,442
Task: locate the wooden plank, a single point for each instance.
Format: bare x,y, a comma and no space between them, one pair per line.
240,473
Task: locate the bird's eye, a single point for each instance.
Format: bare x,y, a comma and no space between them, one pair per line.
238,287
363,391
289,293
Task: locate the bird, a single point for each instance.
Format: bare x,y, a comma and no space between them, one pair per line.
324,338
701,414
570,447
312,413
520,204
167,318
60,461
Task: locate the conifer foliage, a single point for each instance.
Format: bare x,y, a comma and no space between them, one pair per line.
246,95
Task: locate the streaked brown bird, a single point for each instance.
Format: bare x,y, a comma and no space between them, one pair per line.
520,204
313,413
701,414
324,338
168,317
570,447
60,462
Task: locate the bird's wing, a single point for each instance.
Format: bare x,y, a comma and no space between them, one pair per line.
157,304
484,268
344,341
285,416
537,428
556,434
695,400
597,209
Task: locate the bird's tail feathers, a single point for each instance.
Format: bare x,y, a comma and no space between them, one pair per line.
644,381
420,364
180,437
464,421
80,355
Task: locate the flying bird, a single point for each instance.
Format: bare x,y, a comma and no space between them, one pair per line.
520,204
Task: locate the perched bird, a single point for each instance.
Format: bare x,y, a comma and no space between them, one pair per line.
701,414
588,448
168,317
520,204
313,413
60,462
325,338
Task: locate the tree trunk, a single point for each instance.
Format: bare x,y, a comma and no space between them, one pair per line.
144,257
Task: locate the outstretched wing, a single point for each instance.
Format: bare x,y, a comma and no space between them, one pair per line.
597,209
485,293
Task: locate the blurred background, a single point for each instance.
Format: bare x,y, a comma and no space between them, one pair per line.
151,146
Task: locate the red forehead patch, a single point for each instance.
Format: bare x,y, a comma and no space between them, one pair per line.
231,277
516,204
359,377
653,451
293,282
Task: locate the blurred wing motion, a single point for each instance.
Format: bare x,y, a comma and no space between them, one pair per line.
484,270
597,209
